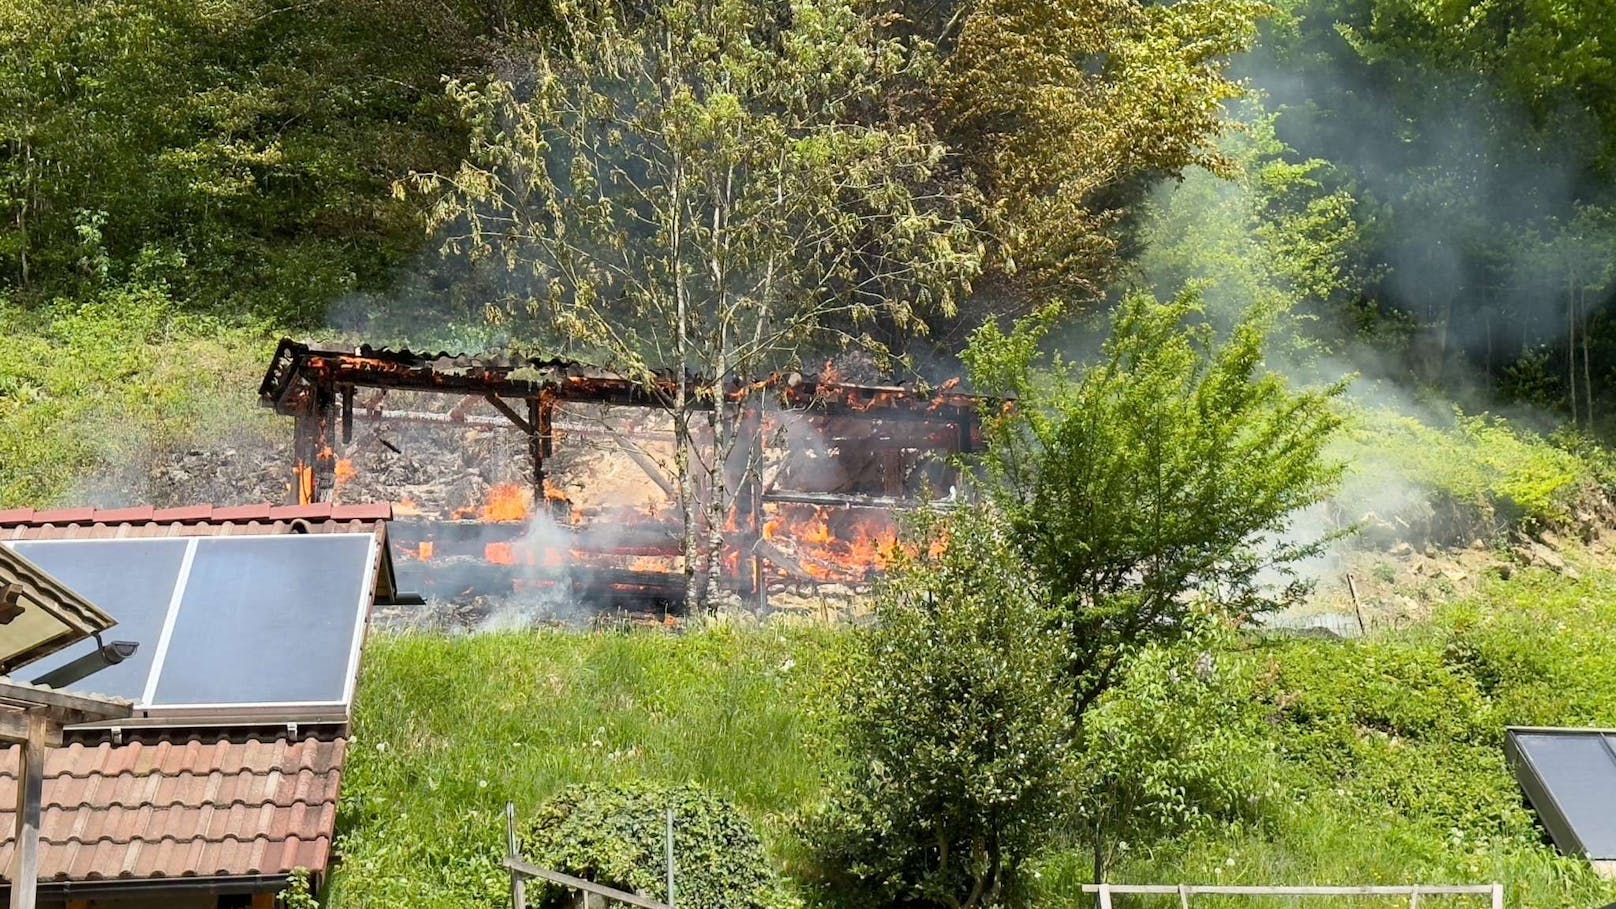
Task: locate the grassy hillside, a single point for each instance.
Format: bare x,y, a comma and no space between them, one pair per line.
1371,761
91,395
449,729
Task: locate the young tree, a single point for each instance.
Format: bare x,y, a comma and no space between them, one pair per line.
1164,473
706,187
958,736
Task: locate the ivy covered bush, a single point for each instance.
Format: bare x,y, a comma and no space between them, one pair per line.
617,836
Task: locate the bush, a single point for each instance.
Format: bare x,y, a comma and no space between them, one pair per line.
617,835
958,729
1179,747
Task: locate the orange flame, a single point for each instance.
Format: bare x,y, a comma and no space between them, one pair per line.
345,471
305,484
847,544
499,554
507,502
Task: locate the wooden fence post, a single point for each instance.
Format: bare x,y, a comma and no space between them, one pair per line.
671,903
518,882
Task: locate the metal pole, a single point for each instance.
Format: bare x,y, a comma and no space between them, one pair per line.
30,792
670,859
518,883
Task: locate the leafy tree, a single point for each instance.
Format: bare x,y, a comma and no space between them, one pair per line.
238,151
1176,748
1163,474
957,733
1272,231
1062,116
1475,132
703,188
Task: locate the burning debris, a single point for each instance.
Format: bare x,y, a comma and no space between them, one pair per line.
529,479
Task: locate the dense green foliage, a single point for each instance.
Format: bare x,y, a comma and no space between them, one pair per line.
238,151
1475,140
617,836
958,736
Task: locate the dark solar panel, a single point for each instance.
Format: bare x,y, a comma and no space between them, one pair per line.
226,625
131,580
267,621
1570,778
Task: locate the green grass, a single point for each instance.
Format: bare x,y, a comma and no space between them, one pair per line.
449,729
102,386
1380,758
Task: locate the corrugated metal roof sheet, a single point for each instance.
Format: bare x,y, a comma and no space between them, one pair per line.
170,809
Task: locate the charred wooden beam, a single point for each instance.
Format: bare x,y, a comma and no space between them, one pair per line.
528,426
840,500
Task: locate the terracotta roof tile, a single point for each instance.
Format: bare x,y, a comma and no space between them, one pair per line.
65,516
195,520
259,512
182,808
141,515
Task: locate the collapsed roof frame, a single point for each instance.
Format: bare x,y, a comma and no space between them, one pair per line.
317,387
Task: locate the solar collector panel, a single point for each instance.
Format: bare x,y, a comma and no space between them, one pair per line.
1570,778
266,621
133,581
241,627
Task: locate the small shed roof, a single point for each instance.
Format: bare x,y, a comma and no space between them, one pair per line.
194,808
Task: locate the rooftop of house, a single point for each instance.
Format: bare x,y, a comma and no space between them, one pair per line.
233,806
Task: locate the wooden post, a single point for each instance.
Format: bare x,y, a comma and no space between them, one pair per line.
1183,897
1105,895
535,453
311,447
518,883
1498,896
24,872
670,859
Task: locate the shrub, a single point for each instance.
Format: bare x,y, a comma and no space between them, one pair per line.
617,835
1178,748
958,728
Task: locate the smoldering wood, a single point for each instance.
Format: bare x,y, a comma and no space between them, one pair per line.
887,442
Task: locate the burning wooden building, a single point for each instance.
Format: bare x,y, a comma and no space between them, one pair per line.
512,471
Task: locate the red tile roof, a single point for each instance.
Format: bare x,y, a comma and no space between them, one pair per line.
197,808
198,520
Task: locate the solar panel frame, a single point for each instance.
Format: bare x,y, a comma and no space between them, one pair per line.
1565,823
310,711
